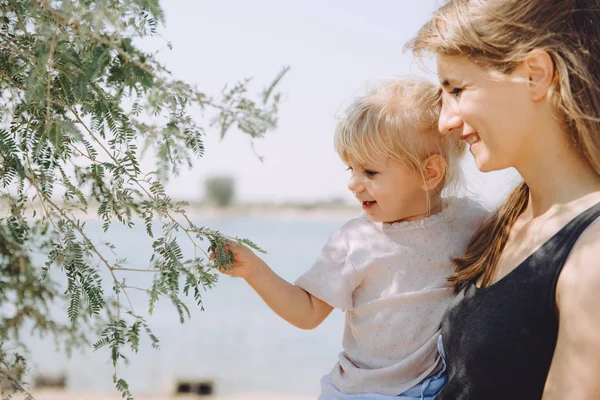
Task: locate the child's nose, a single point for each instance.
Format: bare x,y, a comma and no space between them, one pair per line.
354,184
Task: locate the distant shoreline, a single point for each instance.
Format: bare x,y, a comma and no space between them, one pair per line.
279,211
317,211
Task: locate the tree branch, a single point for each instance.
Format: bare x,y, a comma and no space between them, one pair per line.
4,74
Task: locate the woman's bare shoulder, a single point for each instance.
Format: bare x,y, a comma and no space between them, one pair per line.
576,362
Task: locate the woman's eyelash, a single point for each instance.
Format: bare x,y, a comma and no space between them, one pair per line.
456,91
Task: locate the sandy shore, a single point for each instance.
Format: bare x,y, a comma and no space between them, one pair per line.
62,395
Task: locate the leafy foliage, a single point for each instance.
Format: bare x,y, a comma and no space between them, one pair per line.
79,102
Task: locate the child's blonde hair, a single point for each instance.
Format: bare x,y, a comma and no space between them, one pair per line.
399,119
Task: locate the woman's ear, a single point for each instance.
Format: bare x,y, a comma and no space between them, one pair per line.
538,67
434,171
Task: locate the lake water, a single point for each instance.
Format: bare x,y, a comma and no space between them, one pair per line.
237,342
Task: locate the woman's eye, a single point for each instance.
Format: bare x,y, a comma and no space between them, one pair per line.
456,92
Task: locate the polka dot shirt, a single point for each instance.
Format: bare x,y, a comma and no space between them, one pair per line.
391,281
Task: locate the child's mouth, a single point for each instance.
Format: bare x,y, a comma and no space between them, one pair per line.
368,204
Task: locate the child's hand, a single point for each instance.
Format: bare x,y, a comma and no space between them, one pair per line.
245,262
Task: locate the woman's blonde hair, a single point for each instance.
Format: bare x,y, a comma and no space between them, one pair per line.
499,34
399,119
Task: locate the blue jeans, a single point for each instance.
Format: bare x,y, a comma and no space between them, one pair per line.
426,390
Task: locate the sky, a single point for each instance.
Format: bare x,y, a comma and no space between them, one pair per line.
333,48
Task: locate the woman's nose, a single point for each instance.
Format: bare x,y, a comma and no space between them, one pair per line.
450,122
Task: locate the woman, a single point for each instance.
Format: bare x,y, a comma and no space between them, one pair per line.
521,81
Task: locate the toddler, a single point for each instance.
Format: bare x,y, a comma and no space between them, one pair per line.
386,269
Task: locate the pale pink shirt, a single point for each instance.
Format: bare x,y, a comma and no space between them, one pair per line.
391,281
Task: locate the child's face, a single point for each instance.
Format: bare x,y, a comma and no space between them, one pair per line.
388,191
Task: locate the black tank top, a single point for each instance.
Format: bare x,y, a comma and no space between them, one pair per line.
499,340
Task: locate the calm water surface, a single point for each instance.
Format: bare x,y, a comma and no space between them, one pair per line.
237,341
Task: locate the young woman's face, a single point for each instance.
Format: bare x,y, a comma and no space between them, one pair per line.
490,111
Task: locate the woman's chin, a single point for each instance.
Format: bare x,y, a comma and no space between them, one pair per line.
484,165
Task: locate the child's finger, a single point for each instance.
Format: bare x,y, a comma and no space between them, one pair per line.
225,271
233,247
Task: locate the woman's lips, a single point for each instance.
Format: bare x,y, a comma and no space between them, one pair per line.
471,138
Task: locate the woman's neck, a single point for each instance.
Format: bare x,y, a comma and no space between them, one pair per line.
557,175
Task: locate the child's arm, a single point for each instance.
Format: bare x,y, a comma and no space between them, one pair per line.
290,302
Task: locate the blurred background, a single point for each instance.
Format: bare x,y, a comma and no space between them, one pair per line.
333,49
287,192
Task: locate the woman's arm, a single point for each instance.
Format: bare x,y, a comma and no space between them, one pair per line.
575,369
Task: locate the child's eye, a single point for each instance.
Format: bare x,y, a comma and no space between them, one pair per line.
349,169
369,173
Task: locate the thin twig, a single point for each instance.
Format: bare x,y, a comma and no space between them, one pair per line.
136,181
21,23
9,39
77,25
133,269
81,152
45,198
4,74
137,288
49,86
15,383
32,179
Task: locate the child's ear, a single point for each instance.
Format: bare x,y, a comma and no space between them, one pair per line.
434,171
